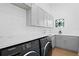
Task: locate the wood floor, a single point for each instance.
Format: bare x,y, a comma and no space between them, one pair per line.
62,52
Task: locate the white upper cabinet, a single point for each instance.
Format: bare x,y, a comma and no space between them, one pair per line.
45,19
41,17
50,21
34,15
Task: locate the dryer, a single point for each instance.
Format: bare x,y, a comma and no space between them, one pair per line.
45,45
30,48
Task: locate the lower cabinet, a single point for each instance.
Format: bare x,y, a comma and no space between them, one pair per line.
60,42
67,42
53,41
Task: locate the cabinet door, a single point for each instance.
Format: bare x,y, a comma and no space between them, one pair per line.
45,19
67,42
72,43
60,42
78,46
53,41
41,17
52,21
49,21
34,15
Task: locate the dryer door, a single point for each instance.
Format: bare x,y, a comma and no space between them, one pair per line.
32,53
47,47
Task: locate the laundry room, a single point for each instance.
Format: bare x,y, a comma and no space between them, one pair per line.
39,29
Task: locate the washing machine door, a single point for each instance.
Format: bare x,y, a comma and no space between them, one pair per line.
47,47
32,53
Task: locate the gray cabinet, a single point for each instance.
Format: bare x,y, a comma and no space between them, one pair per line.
53,41
67,42
72,43
60,42
78,45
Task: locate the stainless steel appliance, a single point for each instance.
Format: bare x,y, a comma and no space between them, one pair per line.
46,46
25,49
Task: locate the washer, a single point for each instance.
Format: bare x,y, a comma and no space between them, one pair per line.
46,45
31,48
25,49
11,51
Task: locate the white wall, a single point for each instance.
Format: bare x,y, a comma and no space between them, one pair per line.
70,12
13,28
